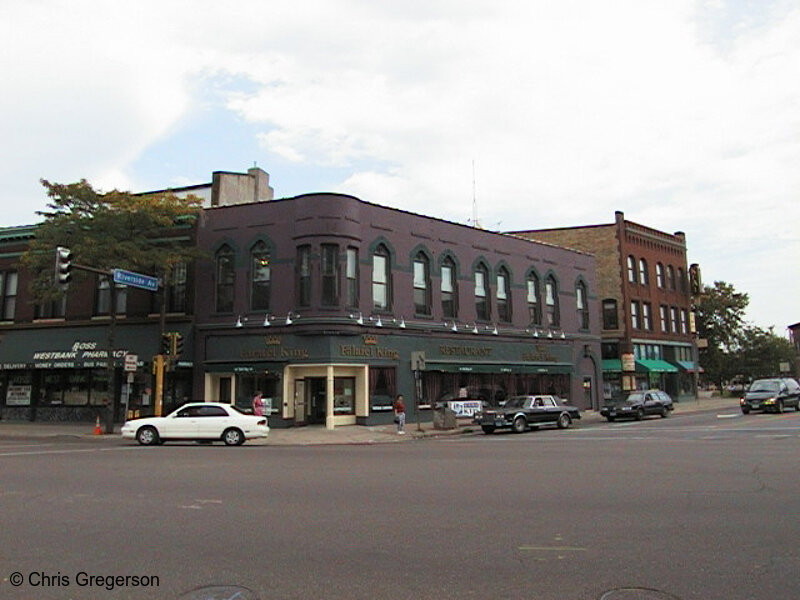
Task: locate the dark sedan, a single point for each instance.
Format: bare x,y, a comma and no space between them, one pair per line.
771,395
639,404
520,412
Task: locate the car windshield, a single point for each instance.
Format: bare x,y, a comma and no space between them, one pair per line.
515,402
766,385
239,410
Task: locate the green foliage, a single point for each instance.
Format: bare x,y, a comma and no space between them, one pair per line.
143,233
735,348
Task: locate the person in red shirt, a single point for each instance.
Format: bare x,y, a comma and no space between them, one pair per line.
400,414
258,405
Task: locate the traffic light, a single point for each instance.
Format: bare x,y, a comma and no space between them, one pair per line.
63,265
177,344
166,343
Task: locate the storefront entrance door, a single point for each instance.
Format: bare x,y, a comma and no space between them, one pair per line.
300,402
316,394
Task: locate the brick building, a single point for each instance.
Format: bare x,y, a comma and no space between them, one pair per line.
643,282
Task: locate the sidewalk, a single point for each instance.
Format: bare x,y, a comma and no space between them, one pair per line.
318,435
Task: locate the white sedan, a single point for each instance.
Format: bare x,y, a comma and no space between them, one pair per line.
199,421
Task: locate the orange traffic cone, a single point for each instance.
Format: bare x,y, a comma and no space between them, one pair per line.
97,430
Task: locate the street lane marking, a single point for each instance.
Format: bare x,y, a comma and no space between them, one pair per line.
42,452
552,548
734,416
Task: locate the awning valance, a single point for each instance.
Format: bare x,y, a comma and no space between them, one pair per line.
655,366
462,367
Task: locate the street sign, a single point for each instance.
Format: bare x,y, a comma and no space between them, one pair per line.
131,362
145,282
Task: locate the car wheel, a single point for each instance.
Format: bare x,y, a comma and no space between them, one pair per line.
779,408
233,437
148,436
520,425
664,412
564,421
611,419
745,411
487,429
639,414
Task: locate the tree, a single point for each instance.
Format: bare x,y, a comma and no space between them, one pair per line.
762,352
104,231
720,321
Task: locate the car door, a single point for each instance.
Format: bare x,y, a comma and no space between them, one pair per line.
794,392
180,425
212,421
652,405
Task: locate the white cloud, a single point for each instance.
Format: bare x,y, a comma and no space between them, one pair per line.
682,114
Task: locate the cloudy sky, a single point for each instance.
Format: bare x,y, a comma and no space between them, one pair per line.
684,114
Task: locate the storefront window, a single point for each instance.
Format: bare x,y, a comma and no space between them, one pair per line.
98,392
382,387
344,396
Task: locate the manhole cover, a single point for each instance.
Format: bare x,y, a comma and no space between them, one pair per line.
637,594
220,592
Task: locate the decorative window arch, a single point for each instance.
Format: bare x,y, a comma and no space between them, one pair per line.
534,298
482,301
503,292
381,278
551,304
449,288
226,278
582,304
422,284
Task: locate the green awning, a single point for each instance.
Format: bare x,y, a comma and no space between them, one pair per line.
462,367
612,365
655,366
688,366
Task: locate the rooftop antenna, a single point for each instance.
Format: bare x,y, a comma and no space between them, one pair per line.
475,222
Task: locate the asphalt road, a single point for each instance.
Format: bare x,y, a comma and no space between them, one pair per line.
697,506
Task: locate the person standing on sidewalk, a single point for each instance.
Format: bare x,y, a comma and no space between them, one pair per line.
400,414
258,405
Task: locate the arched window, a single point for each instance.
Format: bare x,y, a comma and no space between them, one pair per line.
631,269
260,277
381,279
422,284
582,305
504,295
226,278
551,302
482,307
534,300
644,275
449,290
352,277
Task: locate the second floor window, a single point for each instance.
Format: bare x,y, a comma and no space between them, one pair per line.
304,276
482,293
226,277
503,296
422,285
260,277
449,305
381,279
670,277
56,309
8,295
103,297
551,302
176,289
330,274
351,274
631,269
660,275
673,319
534,303
610,315
644,275
582,305
684,321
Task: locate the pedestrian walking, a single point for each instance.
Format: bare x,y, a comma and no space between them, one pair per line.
258,405
400,414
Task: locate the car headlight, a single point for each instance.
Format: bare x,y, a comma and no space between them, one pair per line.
770,401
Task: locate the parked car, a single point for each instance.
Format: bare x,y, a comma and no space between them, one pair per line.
521,412
198,421
639,404
773,394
